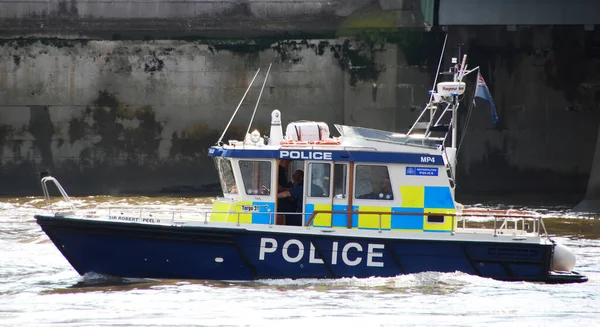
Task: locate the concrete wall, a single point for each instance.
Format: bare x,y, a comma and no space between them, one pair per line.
116,116
119,116
546,86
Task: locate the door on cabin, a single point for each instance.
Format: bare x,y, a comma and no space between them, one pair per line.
326,190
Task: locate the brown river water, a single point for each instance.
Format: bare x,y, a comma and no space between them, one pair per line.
38,287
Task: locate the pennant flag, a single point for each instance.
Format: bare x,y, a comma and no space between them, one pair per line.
483,92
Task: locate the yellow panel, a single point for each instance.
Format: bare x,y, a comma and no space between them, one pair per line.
245,218
228,212
322,219
412,196
445,226
219,210
372,220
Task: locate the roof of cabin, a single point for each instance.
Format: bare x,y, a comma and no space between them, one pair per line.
337,153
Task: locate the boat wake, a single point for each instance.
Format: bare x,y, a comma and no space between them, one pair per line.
423,283
100,280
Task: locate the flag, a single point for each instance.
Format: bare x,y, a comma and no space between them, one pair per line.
483,92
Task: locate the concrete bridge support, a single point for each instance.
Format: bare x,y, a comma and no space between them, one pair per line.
591,200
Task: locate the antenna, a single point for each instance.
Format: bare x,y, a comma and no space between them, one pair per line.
258,100
219,142
438,67
431,97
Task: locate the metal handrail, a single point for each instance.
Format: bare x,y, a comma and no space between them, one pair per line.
496,217
181,217
62,191
506,215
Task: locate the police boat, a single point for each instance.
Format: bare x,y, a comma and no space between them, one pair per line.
304,204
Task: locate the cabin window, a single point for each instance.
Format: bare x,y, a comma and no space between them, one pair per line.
256,176
226,175
373,182
435,219
320,180
340,174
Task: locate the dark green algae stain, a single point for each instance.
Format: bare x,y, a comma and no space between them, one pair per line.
22,42
12,138
110,118
42,129
195,140
355,50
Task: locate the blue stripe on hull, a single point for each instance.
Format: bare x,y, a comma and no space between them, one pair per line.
196,253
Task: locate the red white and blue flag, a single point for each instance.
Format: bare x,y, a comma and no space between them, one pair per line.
483,92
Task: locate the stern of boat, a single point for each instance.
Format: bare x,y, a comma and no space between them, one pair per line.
562,265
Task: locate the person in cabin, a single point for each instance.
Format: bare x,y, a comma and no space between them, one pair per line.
283,184
316,190
284,205
292,199
384,192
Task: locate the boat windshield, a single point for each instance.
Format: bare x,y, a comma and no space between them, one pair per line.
226,175
386,136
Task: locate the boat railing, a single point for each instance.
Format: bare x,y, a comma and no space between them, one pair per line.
504,221
62,191
500,221
496,222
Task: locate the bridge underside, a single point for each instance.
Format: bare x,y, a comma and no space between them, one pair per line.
521,12
162,19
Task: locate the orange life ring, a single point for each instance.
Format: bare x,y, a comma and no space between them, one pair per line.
320,142
327,142
293,142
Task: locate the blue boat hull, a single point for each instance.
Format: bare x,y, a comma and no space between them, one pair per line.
166,252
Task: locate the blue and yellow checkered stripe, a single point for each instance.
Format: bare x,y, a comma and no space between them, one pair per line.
326,219
417,199
436,200
228,212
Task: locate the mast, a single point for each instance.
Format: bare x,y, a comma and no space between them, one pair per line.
458,76
446,95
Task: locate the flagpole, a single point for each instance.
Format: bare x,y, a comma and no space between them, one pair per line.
461,73
454,121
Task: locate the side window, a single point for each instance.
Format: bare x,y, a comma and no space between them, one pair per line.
373,182
435,219
226,175
320,180
340,174
256,176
